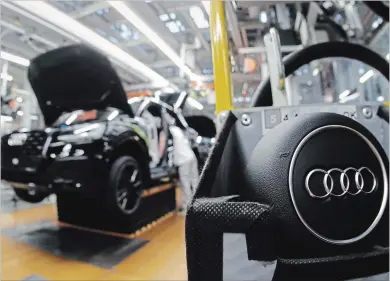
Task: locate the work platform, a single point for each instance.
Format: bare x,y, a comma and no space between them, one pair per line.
36,246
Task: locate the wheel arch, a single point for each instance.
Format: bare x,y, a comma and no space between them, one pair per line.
135,147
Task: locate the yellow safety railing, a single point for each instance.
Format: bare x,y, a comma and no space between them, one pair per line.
221,61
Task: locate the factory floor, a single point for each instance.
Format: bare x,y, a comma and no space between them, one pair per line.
34,246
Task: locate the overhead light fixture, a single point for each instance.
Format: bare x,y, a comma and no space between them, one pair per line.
6,76
20,113
316,71
376,23
198,17
263,17
344,94
206,5
380,99
388,56
350,97
149,33
14,58
366,76
57,18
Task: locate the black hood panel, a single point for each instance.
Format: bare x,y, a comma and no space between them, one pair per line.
75,77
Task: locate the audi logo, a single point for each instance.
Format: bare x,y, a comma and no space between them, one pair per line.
335,174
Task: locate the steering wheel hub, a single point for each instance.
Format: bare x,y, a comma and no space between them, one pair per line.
338,184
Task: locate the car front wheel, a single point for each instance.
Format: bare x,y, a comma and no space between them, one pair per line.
125,185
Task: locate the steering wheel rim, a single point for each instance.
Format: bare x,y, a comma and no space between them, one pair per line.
379,8
292,62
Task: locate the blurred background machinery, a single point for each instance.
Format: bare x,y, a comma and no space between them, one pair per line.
165,46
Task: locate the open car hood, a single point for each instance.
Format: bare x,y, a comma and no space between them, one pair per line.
75,77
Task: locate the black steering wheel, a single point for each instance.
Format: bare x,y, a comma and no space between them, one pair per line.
292,62
380,8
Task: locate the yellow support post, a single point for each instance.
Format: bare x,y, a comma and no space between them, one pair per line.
221,61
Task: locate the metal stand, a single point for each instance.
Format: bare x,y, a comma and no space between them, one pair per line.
91,213
276,67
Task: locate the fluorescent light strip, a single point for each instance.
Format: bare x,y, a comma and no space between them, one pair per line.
148,32
206,5
60,19
14,58
350,97
344,94
388,56
366,76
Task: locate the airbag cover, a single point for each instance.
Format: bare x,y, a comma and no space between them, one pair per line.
326,178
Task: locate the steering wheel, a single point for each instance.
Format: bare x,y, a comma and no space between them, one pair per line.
292,62
311,193
380,8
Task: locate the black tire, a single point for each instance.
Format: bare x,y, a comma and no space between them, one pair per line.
31,197
126,183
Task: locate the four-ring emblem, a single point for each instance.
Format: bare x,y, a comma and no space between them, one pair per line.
359,179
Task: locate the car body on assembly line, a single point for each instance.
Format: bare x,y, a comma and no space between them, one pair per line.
199,129
93,144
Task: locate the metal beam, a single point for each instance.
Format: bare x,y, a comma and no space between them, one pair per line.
244,36
19,48
161,64
379,34
147,14
32,35
232,22
252,25
198,32
236,77
90,9
260,49
147,86
47,18
29,15
135,43
4,32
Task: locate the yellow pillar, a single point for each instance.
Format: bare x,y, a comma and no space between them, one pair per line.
221,62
